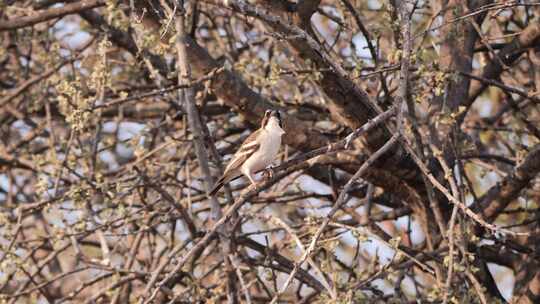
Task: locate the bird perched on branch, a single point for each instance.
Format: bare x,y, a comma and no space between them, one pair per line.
257,152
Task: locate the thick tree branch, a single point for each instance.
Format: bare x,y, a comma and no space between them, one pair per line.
508,55
498,197
196,128
72,8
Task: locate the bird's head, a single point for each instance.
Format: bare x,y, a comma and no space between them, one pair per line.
272,121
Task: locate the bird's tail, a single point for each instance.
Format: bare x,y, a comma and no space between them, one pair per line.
217,186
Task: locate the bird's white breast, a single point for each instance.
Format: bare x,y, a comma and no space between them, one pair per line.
270,145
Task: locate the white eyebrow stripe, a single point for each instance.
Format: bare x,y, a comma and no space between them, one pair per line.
247,152
248,145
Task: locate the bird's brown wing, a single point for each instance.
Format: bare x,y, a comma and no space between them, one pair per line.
248,147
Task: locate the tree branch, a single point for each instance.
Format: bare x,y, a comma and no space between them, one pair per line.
498,197
49,14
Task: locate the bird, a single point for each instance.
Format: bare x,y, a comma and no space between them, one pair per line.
256,152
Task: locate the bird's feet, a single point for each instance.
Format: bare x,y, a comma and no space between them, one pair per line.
268,173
